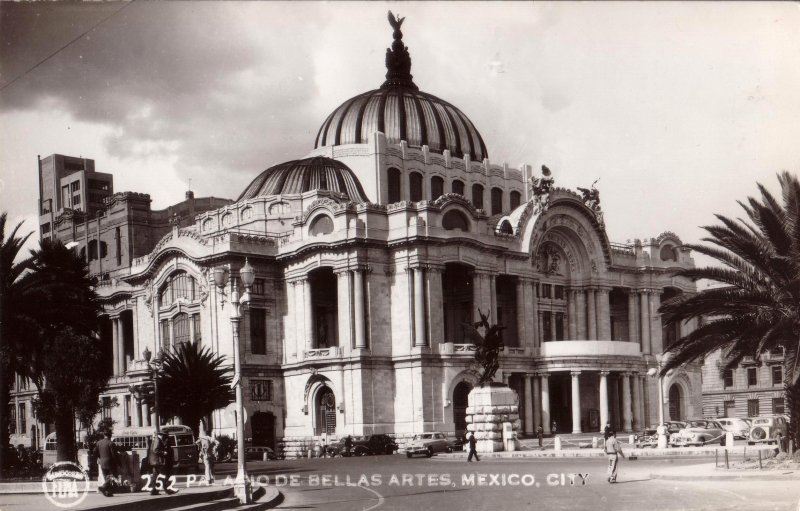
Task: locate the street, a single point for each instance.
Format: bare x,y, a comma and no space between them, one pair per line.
394,482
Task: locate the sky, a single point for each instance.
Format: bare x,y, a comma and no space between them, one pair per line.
678,108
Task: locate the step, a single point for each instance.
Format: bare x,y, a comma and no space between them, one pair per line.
169,502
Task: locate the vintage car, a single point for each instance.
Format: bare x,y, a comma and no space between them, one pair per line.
650,438
428,444
739,427
260,454
381,444
699,432
768,429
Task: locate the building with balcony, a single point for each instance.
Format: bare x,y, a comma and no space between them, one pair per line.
371,252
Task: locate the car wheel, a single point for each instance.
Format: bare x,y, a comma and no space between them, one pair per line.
430,452
750,443
449,449
408,455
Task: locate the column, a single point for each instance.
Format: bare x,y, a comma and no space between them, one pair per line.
553,326
656,345
537,404
521,333
419,308
636,423
291,327
592,311
146,418
191,329
434,305
135,324
360,319
580,305
529,428
603,314
572,321
603,399
626,402
537,322
308,315
477,296
633,333
137,416
492,298
115,346
644,323
576,401
546,402
345,313
642,401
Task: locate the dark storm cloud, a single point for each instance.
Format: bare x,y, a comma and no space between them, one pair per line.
171,79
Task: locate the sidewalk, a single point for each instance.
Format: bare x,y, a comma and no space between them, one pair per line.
708,472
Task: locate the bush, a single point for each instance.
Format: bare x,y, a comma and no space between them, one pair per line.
226,447
24,462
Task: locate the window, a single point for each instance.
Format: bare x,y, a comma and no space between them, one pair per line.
477,196
458,187
497,201
75,186
180,328
258,331
261,390
395,193
437,187
730,408
166,338
118,240
127,411
514,199
46,229
752,376
12,418
65,196
727,379
93,250
258,287
546,291
196,324
455,220
547,333
179,285
752,408
559,292
668,253
321,225
777,375
76,199
415,186
778,407
559,326
105,410
23,425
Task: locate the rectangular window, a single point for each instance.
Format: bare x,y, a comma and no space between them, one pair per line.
165,337
258,331
46,229
752,376
105,411
727,380
546,291
197,332
118,240
261,390
752,408
559,326
778,407
127,411
76,199
559,292
23,425
547,333
730,408
258,287
75,186
65,196
777,375
12,419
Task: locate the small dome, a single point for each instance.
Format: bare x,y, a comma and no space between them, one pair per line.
402,112
298,176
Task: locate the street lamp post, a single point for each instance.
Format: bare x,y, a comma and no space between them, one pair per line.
241,486
154,367
656,371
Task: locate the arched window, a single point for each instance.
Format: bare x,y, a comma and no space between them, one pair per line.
321,225
455,221
180,328
437,187
179,285
668,253
395,191
477,196
506,228
415,186
514,200
497,201
458,187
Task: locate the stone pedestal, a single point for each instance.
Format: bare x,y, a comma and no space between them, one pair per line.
490,407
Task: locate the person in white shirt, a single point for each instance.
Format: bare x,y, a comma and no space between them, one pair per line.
613,450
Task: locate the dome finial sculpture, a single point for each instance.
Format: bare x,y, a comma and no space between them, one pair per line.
398,60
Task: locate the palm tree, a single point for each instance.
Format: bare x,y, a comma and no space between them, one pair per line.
11,269
193,383
756,307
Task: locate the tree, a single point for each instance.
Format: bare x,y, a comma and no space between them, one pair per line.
11,269
487,346
192,384
756,308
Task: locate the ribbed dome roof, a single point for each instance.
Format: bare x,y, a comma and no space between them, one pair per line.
298,176
402,112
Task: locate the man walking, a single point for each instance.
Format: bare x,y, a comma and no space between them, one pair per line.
613,450
540,435
472,443
607,431
208,453
106,453
157,458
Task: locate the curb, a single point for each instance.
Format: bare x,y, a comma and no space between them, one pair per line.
728,477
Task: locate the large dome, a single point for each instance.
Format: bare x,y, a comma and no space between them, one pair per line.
402,112
298,176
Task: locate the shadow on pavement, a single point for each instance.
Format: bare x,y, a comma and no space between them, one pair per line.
633,481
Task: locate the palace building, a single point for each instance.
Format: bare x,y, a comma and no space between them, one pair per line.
370,254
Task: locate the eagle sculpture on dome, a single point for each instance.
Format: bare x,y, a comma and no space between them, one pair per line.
395,22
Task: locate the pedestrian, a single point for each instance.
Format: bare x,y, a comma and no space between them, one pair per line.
553,427
208,453
106,453
472,443
348,444
169,466
161,461
613,451
607,430
540,435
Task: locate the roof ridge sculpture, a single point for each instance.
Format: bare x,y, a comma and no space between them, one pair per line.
398,60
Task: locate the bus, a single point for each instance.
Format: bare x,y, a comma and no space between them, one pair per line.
179,438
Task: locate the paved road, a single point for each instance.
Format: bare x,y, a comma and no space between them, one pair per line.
396,483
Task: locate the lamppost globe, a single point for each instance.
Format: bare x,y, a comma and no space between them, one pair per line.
247,274
220,276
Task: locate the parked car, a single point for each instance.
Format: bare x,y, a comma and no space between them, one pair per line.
359,447
260,453
650,437
700,432
739,427
768,429
428,444
381,444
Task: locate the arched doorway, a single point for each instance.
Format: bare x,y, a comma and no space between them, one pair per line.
325,405
675,407
263,427
460,401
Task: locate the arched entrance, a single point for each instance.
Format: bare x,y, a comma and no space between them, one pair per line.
675,405
460,401
325,405
263,428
